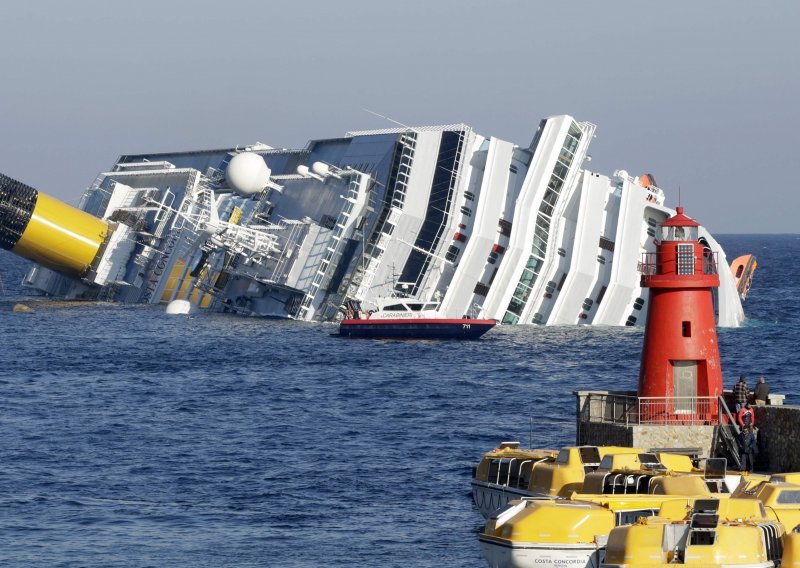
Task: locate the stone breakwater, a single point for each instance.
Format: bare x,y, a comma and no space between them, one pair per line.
779,437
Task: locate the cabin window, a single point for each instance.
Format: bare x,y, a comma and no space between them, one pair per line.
415,307
590,455
481,289
630,517
469,195
702,537
686,328
537,318
451,253
431,306
395,308
638,303
606,244
631,321
512,168
788,497
562,252
466,211
563,456
601,259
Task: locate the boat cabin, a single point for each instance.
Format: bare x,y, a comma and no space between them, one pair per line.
712,533
780,499
565,475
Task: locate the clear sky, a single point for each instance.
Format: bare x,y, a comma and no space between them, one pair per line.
703,94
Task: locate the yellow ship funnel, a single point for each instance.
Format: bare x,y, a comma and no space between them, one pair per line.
47,231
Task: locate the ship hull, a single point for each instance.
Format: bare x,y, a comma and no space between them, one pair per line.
415,328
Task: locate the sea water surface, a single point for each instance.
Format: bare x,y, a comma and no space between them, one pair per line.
132,438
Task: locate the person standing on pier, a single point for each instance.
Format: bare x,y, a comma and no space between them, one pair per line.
746,417
761,392
749,448
740,392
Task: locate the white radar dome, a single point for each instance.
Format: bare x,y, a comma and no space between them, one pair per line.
247,173
320,168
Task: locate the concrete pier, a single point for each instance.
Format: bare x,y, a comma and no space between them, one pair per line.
605,418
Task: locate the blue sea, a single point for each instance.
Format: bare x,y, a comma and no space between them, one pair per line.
132,438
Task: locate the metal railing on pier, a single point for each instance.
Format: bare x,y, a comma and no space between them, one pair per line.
632,410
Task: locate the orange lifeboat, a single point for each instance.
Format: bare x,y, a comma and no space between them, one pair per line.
743,268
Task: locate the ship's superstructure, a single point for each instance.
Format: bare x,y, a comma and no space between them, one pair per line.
443,214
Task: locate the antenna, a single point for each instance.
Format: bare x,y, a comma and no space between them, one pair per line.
679,196
398,123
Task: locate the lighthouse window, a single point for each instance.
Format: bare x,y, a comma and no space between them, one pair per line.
686,328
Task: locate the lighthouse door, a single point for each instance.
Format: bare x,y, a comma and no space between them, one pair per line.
684,382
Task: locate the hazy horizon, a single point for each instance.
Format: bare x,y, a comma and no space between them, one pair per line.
702,95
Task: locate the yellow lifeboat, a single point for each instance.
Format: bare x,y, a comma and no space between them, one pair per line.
557,532
791,549
535,532
715,532
781,500
508,472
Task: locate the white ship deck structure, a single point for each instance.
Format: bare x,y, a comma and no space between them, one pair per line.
478,225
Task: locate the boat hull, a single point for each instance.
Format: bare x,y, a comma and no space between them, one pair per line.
489,497
505,554
416,328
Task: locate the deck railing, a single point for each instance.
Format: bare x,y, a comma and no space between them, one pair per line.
630,409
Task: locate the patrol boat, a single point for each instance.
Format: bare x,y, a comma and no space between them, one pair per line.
407,318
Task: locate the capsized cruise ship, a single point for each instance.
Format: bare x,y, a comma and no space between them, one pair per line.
478,225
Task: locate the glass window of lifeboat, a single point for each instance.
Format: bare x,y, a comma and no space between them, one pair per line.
787,496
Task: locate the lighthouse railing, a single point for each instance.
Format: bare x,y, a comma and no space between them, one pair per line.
675,410
654,263
629,409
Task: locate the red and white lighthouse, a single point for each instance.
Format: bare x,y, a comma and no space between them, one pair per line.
680,376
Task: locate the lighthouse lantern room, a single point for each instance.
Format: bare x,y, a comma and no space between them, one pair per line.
680,377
